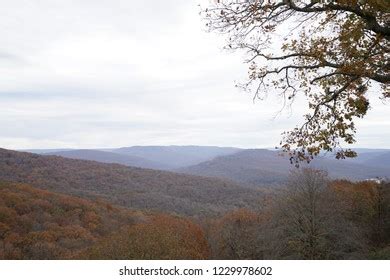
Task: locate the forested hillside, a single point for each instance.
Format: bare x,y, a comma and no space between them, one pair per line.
312,218
350,221
37,224
90,210
134,188
176,156
108,157
265,167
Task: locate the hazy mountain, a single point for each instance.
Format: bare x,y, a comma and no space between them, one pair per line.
255,167
132,187
176,156
108,157
259,167
44,151
382,159
155,157
364,155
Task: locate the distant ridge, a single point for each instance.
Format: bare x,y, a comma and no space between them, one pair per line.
176,156
379,160
155,157
134,188
108,157
259,167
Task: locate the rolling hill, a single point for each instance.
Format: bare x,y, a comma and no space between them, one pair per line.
134,188
38,224
108,157
259,167
176,156
253,167
155,157
381,159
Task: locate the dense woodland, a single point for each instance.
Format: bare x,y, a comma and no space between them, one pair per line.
37,224
251,167
42,215
263,167
134,188
312,219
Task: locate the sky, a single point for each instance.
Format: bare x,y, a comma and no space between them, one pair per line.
115,73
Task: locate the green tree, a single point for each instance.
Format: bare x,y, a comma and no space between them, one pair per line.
334,52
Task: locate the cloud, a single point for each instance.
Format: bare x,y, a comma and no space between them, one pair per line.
120,73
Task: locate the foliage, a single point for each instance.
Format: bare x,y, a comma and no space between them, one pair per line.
37,224
134,188
313,218
368,205
333,52
162,237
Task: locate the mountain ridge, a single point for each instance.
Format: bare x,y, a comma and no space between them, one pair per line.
131,187
260,166
108,157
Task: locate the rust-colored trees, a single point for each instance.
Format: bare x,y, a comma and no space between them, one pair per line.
160,237
37,224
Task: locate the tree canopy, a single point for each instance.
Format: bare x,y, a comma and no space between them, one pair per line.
333,52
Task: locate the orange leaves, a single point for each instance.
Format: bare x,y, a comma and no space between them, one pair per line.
38,224
90,219
60,226
7,214
4,229
332,50
367,203
161,237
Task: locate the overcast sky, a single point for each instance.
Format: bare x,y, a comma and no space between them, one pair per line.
112,73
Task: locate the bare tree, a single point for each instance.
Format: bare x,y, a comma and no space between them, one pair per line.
308,223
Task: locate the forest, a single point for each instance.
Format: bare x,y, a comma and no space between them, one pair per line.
311,217
113,114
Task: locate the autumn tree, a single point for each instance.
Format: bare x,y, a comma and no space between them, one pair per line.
333,52
37,224
161,237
